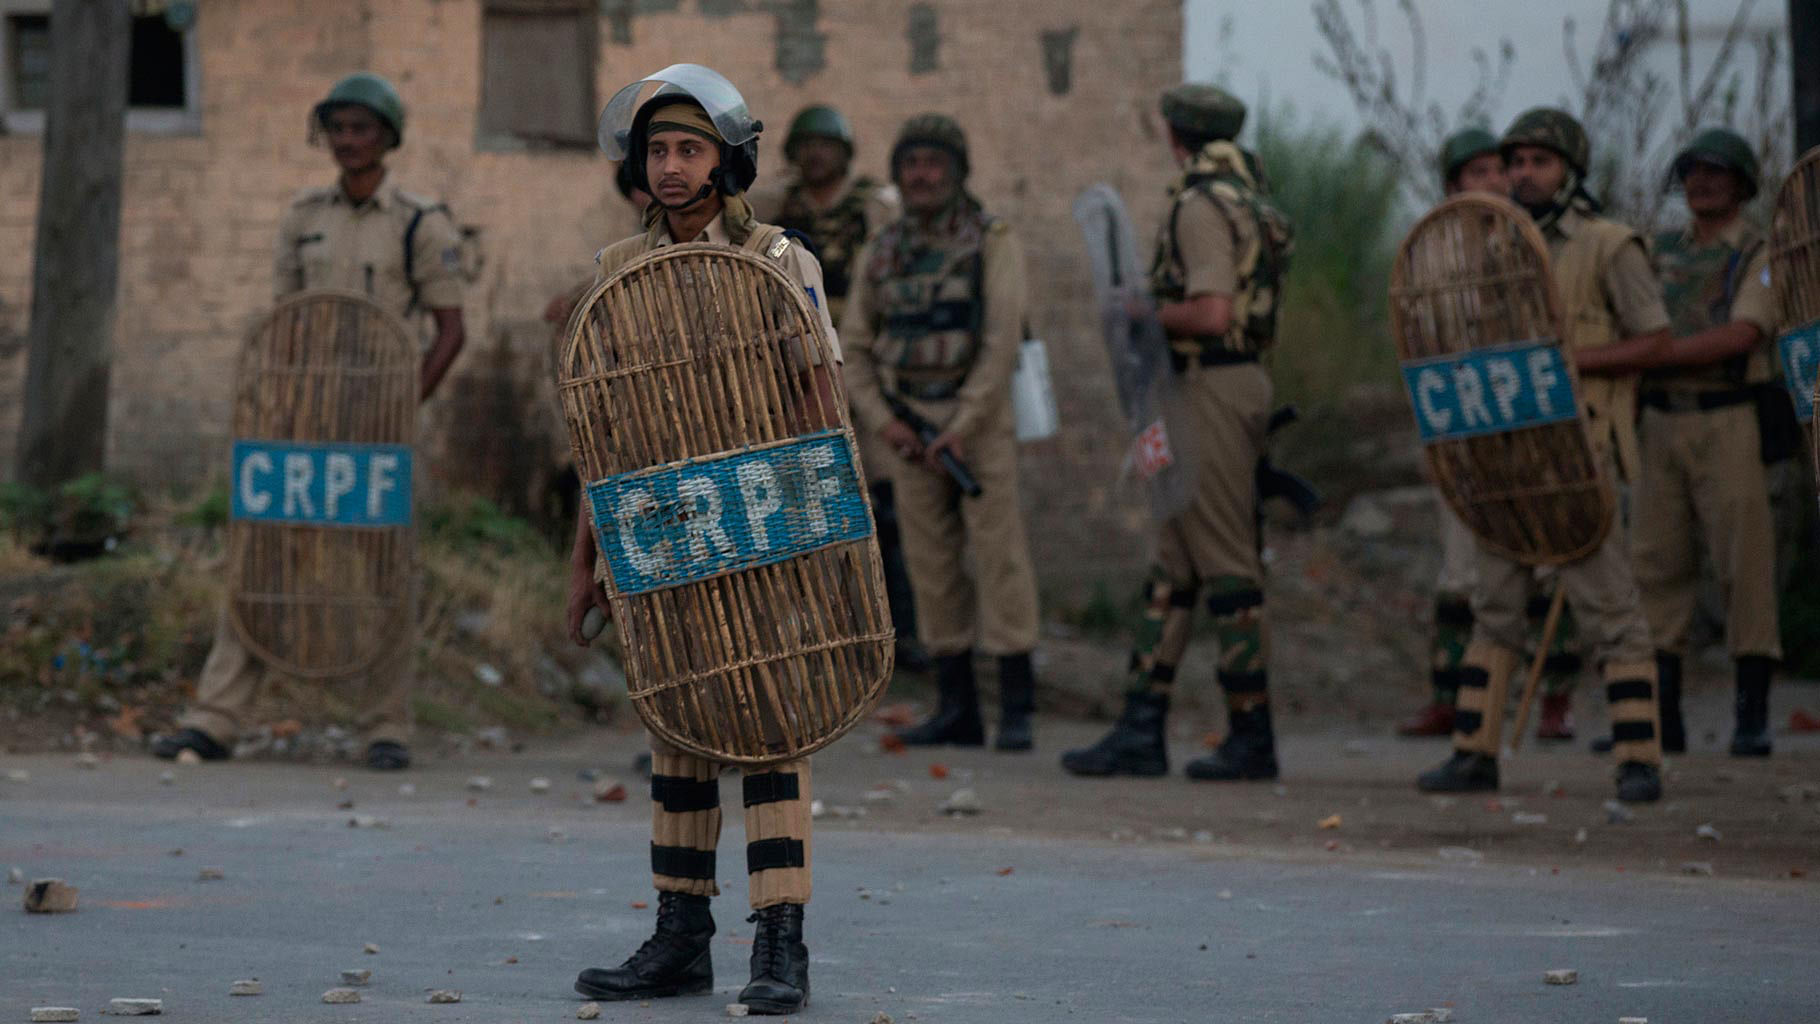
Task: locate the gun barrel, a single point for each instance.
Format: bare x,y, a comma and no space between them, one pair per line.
927,432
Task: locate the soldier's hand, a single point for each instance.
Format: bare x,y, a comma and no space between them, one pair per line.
902,440
946,442
586,595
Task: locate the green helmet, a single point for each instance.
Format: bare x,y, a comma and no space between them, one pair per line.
1462,147
937,130
1553,129
1203,111
1721,148
818,122
367,90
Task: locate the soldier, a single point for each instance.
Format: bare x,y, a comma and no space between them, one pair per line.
364,234
1703,479
1470,162
837,212
933,324
1610,296
1214,280
697,179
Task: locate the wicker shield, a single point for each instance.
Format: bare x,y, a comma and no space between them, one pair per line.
321,547
1794,257
735,533
1477,321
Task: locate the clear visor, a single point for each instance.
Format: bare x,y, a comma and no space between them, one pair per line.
725,106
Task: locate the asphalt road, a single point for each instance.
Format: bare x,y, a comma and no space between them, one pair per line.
976,924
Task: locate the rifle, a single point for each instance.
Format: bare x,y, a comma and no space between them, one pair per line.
1273,482
927,432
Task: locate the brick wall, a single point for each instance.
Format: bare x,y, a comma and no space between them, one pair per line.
201,211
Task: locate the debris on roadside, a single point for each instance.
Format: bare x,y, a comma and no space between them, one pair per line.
588,1011
371,949
540,785
135,1007
1708,833
444,995
356,976
1561,976
50,1014
962,802
210,875
1697,867
480,783
341,996
50,896
609,791
1332,821
247,987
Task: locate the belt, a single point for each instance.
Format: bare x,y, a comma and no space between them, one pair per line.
1695,401
1210,356
929,390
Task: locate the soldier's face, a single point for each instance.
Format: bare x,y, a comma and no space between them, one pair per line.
1480,174
1536,174
926,177
357,138
1711,190
820,161
678,164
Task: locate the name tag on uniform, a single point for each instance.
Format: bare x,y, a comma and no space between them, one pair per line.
1800,352
691,521
347,485
1492,390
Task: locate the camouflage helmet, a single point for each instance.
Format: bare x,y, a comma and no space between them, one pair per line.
1721,148
1462,147
363,88
1553,129
818,122
1203,111
937,130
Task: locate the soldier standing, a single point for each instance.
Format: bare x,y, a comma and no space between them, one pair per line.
837,211
363,234
1470,162
1215,283
677,147
1609,296
933,324
1703,481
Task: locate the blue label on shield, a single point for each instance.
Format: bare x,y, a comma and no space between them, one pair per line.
1490,391
1800,352
357,485
685,522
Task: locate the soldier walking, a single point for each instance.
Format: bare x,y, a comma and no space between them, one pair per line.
933,324
362,234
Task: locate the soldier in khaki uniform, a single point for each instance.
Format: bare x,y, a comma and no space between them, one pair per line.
678,154
1703,481
1214,282
1610,297
837,211
363,234
1470,162
934,320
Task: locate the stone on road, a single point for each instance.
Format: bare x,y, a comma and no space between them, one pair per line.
55,1013
135,1007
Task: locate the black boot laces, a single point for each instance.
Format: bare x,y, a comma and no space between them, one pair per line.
668,941
770,950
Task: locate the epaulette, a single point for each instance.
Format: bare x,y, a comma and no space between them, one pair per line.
420,203
778,246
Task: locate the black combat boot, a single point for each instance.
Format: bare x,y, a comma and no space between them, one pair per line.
780,962
1750,733
168,747
1668,699
1461,773
1134,746
1249,751
1639,783
957,716
673,962
1016,699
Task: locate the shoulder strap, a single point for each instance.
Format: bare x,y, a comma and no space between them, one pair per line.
410,258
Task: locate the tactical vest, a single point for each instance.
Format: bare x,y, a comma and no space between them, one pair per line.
1262,241
1698,287
1579,261
838,234
931,302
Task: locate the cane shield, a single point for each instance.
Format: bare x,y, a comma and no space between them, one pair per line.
321,544
1794,269
1477,322
735,534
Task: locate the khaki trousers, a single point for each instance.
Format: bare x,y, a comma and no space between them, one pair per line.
1703,484
943,531
685,827
232,678
1217,535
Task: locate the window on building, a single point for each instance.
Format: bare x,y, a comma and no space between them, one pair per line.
161,70
537,73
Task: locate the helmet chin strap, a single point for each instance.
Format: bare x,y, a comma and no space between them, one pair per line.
707,189
1547,212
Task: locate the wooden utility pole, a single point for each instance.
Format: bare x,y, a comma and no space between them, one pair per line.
1804,58
76,260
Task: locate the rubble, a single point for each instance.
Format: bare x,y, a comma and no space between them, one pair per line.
1617,814
357,976
50,896
1633,1020
444,995
341,995
881,1017
1561,976
588,1011
188,756
737,1009
247,987
210,875
1697,867
135,1007
368,821
609,791
1708,833
480,783
55,1013
14,876
963,801
540,785
1332,821
370,949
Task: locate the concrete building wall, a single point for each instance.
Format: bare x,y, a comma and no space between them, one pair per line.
1055,95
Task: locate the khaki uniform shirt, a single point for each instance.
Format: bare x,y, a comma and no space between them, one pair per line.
1754,303
795,261
1628,281
326,240
985,396
1204,248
